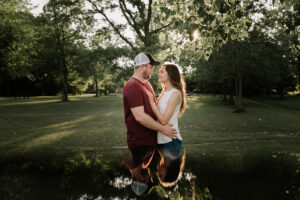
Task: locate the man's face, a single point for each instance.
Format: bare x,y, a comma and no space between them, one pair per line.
148,71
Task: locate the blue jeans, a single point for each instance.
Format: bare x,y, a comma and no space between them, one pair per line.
171,149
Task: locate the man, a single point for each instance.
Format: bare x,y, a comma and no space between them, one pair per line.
141,122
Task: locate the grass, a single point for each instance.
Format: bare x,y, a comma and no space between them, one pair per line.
219,143
89,122
45,122
209,126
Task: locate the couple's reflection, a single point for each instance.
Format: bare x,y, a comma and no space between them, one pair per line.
168,161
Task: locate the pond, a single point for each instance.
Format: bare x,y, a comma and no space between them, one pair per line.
88,175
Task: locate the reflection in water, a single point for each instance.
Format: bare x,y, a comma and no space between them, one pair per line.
167,170
120,182
83,177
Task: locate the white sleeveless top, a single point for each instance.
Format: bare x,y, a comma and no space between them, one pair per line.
162,106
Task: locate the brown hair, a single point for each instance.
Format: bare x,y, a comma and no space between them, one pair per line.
178,82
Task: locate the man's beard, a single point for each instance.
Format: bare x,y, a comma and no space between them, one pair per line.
146,75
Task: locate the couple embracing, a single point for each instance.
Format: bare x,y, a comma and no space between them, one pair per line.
153,124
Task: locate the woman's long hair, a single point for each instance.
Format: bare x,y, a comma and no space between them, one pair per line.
178,82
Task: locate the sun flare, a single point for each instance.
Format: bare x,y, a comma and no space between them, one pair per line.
196,34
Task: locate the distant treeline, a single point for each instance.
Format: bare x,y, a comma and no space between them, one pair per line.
221,48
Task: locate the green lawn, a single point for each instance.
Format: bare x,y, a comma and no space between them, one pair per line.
44,122
209,121
219,143
87,122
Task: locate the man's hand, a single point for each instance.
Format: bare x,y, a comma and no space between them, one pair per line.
147,121
169,131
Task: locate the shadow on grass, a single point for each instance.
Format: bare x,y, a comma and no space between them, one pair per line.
92,176
86,122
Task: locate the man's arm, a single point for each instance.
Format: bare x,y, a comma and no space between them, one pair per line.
147,121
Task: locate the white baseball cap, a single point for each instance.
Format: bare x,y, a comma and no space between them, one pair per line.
139,188
145,58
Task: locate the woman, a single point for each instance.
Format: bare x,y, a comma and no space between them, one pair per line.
170,105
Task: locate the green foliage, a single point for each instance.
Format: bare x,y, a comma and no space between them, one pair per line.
79,166
14,187
69,22
145,21
229,37
160,191
264,69
16,38
50,50
216,22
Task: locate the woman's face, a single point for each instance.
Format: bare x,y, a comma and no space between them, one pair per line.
163,76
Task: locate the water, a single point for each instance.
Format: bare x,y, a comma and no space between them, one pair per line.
85,176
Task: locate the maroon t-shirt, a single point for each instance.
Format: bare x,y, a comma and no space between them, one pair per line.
134,95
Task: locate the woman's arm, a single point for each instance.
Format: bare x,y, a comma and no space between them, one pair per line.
173,101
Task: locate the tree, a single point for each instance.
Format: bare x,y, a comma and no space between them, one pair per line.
223,22
45,61
265,68
144,19
16,47
64,15
280,23
217,23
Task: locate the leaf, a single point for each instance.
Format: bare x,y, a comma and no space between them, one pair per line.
233,37
162,55
175,196
206,56
177,51
161,36
199,55
160,191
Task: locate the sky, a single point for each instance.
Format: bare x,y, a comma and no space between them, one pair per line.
115,16
39,6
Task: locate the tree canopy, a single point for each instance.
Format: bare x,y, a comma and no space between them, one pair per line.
231,47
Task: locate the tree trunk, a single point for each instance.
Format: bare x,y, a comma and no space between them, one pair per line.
298,68
64,66
231,101
147,41
97,88
224,97
60,37
281,93
238,89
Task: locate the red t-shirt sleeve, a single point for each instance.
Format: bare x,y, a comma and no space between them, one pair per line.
134,96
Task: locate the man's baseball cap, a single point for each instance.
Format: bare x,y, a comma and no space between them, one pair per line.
145,58
139,188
